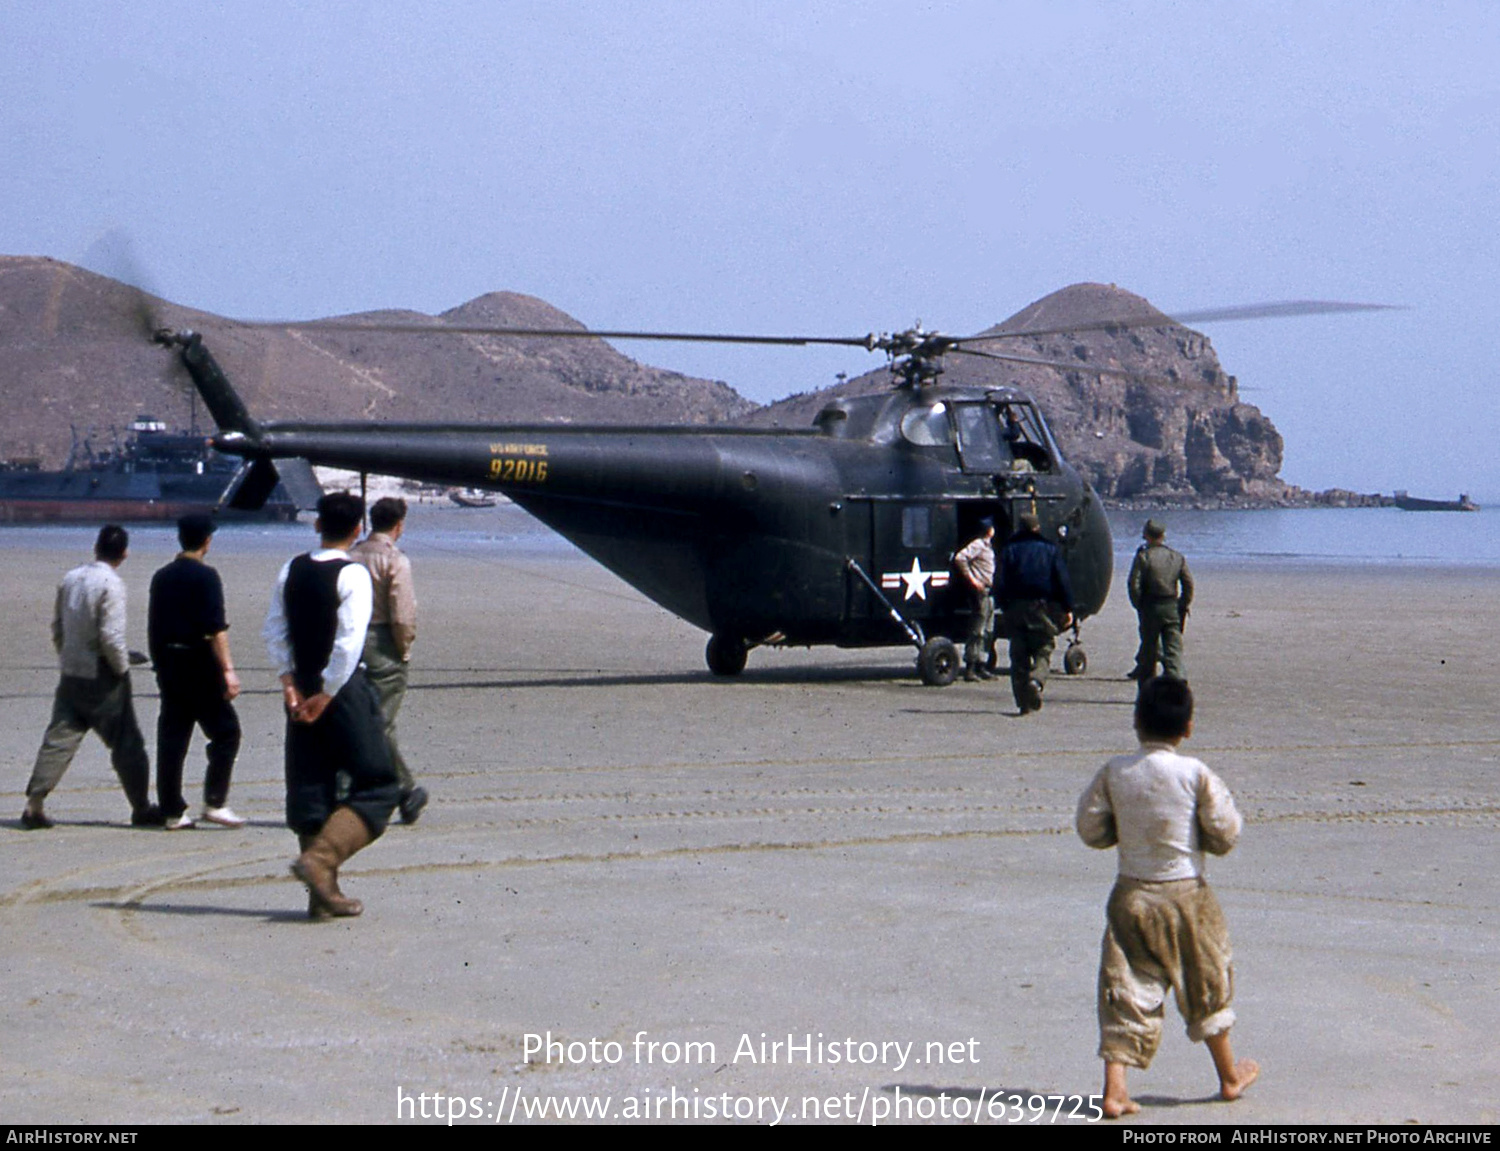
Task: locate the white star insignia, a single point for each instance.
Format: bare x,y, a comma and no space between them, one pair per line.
915,581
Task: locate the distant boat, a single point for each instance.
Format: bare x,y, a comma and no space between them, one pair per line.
1412,504
471,499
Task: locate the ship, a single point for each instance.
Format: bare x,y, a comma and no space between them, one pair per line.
472,498
1414,504
151,473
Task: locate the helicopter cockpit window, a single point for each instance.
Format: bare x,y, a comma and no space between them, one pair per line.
979,447
927,427
1023,436
916,527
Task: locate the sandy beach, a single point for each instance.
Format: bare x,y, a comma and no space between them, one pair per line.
824,849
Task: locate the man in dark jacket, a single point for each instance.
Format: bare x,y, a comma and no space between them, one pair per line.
1032,584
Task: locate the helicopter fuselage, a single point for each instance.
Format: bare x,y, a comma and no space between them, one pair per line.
766,535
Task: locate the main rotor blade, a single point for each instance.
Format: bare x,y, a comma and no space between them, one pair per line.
1066,366
867,342
1278,310
870,342
1155,319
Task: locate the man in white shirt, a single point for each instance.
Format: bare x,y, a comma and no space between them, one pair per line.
1164,928
93,693
315,633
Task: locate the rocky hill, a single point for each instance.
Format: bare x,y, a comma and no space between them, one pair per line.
1175,431
74,352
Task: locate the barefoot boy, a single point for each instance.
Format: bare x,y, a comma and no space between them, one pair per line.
1163,925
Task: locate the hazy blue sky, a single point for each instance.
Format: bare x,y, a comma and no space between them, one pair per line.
809,167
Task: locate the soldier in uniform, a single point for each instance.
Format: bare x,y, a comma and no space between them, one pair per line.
1161,590
1032,585
976,563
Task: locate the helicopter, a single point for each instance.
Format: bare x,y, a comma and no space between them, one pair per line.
841,533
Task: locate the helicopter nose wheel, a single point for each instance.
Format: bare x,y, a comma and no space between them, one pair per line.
1075,659
725,655
937,661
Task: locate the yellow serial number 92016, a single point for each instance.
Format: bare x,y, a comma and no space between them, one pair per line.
514,471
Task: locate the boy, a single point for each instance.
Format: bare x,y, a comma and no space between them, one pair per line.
1163,927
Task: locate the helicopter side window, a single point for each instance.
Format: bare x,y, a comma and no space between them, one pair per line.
927,427
916,527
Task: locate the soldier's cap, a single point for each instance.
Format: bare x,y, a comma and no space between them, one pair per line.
1154,530
986,523
1028,522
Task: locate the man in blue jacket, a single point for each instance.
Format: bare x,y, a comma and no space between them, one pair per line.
1032,585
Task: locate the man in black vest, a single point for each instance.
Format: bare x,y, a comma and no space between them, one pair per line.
315,632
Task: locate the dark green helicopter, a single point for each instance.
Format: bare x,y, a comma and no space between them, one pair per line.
842,533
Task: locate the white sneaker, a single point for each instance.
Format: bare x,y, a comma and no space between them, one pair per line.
223,816
179,822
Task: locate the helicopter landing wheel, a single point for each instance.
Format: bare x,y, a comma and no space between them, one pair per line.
1075,660
937,662
725,655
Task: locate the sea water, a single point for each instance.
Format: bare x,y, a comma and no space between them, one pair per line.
1272,536
1320,535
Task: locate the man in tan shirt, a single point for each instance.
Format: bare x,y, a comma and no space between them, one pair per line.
976,564
393,627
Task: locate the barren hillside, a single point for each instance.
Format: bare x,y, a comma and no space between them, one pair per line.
76,353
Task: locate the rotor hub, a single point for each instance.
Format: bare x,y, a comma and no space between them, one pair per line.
916,355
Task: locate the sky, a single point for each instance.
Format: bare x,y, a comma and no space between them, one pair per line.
809,168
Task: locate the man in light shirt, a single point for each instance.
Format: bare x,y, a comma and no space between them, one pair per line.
315,633
93,693
393,627
975,562
1164,928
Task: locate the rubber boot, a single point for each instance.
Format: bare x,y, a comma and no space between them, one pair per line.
315,908
318,866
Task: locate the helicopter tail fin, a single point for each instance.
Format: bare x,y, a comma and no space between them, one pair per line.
257,479
252,485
